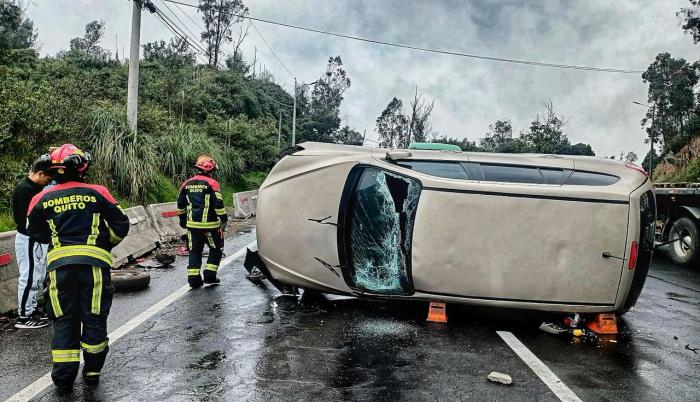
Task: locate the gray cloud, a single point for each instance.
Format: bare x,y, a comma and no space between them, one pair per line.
470,94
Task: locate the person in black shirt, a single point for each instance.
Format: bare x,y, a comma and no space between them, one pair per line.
30,254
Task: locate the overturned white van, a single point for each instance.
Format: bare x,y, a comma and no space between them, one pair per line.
544,232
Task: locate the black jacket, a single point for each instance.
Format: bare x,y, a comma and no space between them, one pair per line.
82,222
200,204
21,197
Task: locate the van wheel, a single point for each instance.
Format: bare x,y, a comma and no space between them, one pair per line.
129,280
685,241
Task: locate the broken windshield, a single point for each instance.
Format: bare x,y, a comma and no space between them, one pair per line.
383,208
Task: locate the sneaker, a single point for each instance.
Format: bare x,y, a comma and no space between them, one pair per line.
30,323
40,316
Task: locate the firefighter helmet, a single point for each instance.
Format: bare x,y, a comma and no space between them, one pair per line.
68,157
206,164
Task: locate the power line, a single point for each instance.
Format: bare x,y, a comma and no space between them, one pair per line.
438,51
272,50
188,17
178,18
174,31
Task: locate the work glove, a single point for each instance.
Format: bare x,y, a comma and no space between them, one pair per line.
183,221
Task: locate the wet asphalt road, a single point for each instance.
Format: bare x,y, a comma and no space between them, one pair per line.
242,341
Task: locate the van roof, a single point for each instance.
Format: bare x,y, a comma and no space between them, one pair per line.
578,162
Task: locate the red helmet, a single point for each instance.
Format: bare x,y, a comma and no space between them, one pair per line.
69,157
206,164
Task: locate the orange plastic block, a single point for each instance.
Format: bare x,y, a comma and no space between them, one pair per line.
603,324
437,312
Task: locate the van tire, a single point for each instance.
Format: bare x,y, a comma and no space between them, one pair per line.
679,252
129,280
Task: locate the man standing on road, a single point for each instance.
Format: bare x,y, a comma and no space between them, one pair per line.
30,254
201,211
83,223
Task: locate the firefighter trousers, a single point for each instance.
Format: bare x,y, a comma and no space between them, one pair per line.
78,294
197,238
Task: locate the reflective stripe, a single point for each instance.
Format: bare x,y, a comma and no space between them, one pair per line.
203,225
53,295
94,348
79,250
113,236
94,230
192,271
219,196
189,240
221,211
65,355
54,234
92,373
205,214
96,290
182,211
211,267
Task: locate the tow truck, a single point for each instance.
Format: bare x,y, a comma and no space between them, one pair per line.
678,225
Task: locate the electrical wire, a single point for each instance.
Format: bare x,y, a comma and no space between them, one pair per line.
272,50
430,50
178,18
188,17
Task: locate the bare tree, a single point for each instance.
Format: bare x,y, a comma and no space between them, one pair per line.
419,126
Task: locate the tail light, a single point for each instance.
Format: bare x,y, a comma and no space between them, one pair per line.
633,254
637,168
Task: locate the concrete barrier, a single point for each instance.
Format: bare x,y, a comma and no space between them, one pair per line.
165,220
244,204
9,272
142,237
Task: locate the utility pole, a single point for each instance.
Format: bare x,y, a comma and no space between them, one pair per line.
132,97
279,130
294,115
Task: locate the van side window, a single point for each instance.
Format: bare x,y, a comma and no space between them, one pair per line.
591,179
448,170
554,176
512,174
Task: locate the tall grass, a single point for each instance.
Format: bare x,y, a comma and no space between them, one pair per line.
123,158
182,144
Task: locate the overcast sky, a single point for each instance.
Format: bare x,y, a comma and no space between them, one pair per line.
469,94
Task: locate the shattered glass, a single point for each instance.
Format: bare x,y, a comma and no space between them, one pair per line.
382,216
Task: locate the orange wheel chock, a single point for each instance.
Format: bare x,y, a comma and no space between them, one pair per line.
437,312
604,324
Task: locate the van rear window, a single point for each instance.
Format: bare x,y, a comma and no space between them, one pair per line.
579,178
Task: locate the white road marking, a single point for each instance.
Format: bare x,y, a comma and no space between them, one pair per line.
44,382
560,389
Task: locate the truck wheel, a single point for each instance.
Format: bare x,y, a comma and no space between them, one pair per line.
129,280
684,235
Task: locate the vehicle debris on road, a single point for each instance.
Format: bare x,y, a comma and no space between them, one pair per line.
501,378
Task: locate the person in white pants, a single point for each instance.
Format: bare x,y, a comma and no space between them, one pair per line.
30,255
